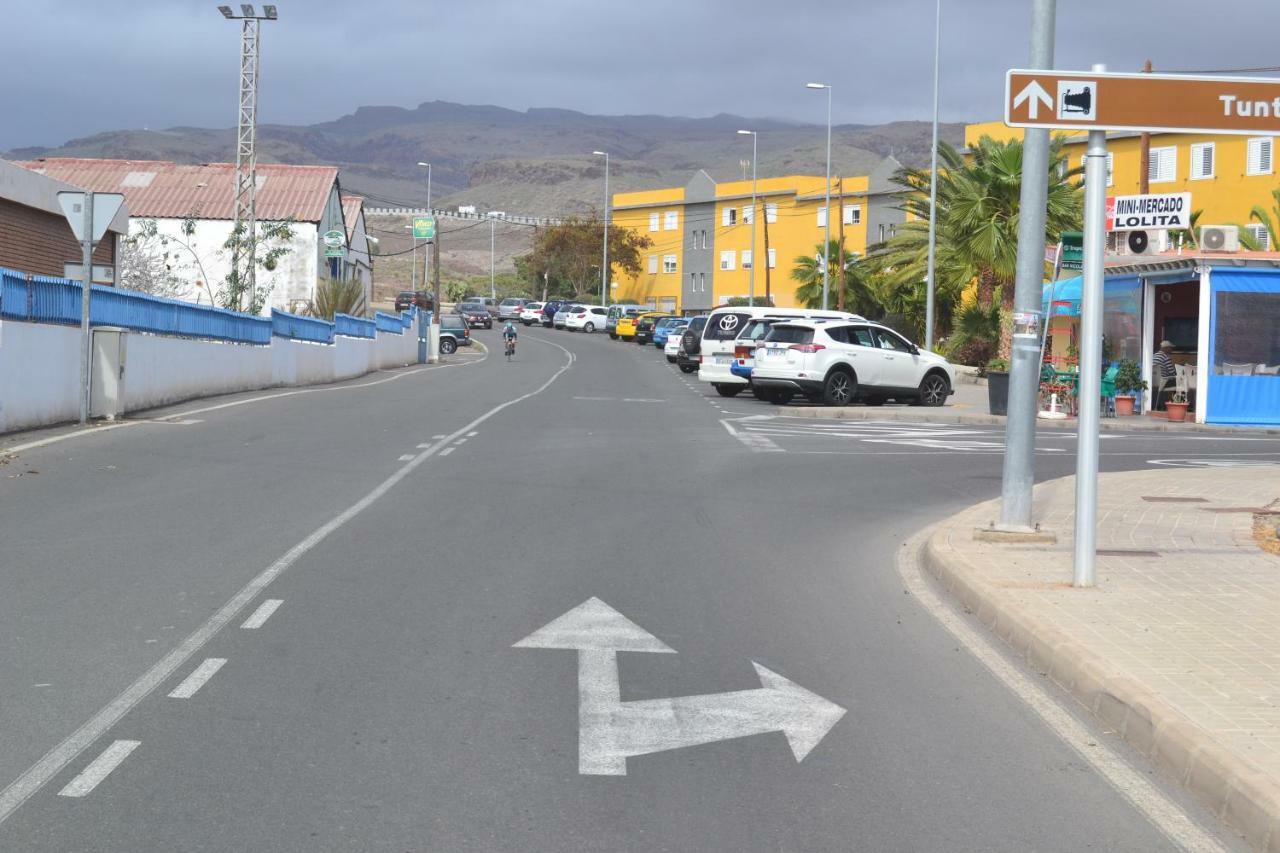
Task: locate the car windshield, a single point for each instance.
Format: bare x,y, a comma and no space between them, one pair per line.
789,335
520,301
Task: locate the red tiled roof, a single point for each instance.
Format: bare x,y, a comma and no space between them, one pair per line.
160,188
351,207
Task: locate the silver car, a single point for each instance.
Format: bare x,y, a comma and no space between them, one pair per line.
509,308
563,314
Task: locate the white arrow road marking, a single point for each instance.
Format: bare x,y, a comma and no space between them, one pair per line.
1037,95
610,731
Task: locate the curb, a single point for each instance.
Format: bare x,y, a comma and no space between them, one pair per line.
921,415
1234,789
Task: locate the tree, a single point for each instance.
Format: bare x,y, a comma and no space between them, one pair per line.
334,296
147,261
571,253
272,241
1270,220
807,274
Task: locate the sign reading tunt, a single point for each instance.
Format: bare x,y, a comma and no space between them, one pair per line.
1148,212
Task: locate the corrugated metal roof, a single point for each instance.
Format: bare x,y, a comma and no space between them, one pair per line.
163,189
351,207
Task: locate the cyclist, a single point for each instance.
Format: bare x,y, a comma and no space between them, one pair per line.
509,335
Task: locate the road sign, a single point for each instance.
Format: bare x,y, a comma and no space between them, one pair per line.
610,730
1148,212
1072,250
424,228
105,207
335,244
1088,100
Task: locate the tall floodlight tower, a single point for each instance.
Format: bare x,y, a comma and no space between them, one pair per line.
244,252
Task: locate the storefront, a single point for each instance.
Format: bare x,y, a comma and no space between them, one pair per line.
1221,313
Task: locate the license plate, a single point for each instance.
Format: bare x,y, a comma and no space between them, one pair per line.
724,359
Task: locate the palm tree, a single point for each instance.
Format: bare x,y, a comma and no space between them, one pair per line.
1270,220
807,273
337,296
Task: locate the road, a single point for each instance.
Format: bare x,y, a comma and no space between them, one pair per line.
397,543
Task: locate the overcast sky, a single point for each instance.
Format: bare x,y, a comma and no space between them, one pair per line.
77,67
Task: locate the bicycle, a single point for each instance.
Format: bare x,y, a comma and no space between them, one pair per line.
511,348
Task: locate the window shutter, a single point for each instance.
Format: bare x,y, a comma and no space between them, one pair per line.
653,222
822,217
653,264
1264,161
1202,160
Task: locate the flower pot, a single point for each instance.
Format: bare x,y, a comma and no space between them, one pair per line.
1124,405
998,392
1176,412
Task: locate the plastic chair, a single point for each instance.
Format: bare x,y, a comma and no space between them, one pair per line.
1109,391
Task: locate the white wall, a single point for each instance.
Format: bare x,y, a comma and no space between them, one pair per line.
40,368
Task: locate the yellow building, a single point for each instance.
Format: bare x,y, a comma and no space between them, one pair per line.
1226,175
701,233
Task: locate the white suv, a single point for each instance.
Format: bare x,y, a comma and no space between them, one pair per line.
587,318
839,362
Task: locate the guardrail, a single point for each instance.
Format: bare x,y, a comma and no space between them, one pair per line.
388,323
354,327
46,299
299,328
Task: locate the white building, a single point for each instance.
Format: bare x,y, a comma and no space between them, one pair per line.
192,208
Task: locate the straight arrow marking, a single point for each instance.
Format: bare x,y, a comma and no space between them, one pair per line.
1035,93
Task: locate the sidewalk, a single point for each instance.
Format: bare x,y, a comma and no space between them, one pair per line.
1177,649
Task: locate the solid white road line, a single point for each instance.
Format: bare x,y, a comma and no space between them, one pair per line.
262,614
1163,812
197,679
55,760
99,769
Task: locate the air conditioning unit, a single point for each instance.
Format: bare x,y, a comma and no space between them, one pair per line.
1138,242
1220,238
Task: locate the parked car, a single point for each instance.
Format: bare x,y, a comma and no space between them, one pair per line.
562,315
509,308
645,324
744,351
621,310
454,332
689,352
476,315
674,332
838,363
485,302
588,318
663,328
549,311
531,313
407,298
719,339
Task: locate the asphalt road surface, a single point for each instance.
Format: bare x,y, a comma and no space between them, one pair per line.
314,621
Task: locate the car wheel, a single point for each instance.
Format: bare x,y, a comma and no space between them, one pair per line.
760,394
688,368
840,388
874,401
726,390
934,390
448,346
589,328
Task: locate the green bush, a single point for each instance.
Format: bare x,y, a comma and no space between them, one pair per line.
1129,379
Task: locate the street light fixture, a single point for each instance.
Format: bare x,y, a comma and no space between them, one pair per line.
426,256
751,281
604,267
826,240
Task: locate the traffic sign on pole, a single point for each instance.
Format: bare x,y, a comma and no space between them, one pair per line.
1086,100
424,228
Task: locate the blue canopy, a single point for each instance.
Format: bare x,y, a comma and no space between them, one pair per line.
1068,290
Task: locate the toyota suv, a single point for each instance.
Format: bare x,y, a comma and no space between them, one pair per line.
838,363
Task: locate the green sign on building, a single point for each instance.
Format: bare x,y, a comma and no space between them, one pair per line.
424,228
335,244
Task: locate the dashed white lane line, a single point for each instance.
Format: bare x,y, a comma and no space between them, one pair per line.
425,446
474,434
262,614
197,679
99,769
435,437
447,451
405,458
460,441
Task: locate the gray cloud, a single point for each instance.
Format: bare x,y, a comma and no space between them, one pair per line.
83,66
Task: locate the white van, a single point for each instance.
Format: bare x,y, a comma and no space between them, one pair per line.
724,325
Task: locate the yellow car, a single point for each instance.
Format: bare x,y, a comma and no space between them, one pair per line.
626,328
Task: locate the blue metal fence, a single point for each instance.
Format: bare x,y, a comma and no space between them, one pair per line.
45,299
354,327
301,328
406,318
388,323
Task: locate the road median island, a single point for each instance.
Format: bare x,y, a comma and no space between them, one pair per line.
1177,649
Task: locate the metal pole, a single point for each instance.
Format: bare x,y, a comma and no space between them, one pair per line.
604,269
433,332
86,353
493,288
426,254
826,240
1095,237
933,187
1024,369
755,225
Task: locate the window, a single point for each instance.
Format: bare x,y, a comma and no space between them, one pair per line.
1259,156
861,336
704,239
748,214
668,263
702,281
882,233
671,220
1202,161
746,259
888,340
822,217
726,260
729,216
653,264
1162,165
770,214
790,335
1261,235
693,282
853,214
653,222
773,258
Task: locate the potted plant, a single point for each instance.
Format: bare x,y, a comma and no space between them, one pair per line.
998,386
1129,383
1176,408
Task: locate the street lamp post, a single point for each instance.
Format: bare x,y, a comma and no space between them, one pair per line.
426,256
413,276
826,240
930,287
604,268
751,281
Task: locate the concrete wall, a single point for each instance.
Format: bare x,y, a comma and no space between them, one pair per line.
40,368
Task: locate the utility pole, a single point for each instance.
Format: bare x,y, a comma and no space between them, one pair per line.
1024,369
840,240
433,333
86,287
244,254
930,284
751,281
826,239
768,292
430,213
493,288
1144,156
604,264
